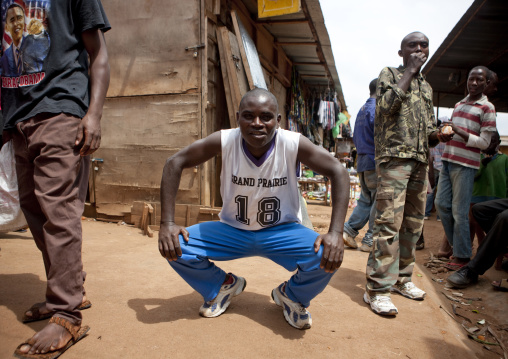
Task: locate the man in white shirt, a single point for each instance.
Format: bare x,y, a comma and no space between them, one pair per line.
261,213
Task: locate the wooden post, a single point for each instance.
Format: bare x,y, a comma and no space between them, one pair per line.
187,216
144,218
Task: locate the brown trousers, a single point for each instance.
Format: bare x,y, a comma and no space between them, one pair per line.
53,179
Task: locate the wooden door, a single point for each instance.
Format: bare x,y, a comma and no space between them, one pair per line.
233,71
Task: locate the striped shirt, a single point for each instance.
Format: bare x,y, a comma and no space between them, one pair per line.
478,119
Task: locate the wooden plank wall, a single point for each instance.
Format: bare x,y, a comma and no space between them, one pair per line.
153,108
138,139
146,46
216,111
162,98
280,92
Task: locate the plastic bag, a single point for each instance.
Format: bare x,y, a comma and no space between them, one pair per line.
11,217
336,130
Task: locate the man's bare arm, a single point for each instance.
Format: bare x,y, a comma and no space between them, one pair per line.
89,132
320,160
193,155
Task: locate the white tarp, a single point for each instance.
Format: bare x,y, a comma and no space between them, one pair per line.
11,217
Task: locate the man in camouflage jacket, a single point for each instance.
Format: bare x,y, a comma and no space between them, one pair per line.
404,128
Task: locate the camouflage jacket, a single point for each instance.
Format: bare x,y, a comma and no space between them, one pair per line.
403,121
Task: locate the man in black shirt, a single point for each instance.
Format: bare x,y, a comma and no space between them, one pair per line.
52,114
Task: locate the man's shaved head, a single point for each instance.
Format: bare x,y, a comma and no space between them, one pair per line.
259,93
405,39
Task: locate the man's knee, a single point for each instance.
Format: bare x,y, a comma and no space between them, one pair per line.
477,210
503,217
437,202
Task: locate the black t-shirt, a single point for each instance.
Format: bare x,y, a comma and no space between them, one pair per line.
44,64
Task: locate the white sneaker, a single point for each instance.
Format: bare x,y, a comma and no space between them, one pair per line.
380,304
426,217
349,241
296,314
409,290
220,303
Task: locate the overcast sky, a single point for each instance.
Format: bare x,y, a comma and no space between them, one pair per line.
366,35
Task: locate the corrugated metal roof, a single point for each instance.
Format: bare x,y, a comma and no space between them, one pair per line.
305,40
479,38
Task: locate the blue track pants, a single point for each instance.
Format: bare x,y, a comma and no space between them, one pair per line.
290,245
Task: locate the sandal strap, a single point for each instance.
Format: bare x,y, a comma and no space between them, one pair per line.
71,328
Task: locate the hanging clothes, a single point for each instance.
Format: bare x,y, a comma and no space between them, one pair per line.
326,114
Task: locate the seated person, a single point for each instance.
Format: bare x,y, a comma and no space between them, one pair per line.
490,182
261,212
492,216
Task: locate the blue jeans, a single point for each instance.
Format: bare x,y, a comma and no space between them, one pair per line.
290,245
430,196
365,210
452,203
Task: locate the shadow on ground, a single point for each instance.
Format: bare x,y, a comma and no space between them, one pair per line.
13,235
24,289
256,307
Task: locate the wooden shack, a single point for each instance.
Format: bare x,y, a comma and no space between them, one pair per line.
168,88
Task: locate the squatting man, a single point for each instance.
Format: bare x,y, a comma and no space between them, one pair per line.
261,213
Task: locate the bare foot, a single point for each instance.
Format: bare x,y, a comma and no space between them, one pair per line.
52,337
446,255
43,310
445,250
461,261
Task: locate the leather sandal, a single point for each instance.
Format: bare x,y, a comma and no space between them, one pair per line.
77,333
37,315
501,285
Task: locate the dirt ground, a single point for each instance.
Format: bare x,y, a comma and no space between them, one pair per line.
493,305
142,308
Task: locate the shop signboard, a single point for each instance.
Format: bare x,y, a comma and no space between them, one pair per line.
268,8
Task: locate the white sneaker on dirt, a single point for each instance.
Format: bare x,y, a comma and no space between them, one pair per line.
349,241
409,290
220,303
365,248
380,304
296,314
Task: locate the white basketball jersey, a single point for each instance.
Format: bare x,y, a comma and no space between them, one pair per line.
259,197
